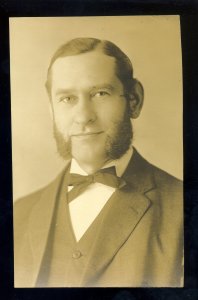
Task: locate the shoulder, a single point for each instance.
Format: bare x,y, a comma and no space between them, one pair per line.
146,174
166,189
168,199
24,205
160,177
169,189
165,180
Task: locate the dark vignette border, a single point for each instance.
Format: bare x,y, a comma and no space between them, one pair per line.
188,11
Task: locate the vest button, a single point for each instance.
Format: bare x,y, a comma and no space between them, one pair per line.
76,254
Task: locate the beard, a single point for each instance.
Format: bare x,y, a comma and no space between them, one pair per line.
121,138
117,142
63,144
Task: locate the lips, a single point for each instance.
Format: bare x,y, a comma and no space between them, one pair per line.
84,134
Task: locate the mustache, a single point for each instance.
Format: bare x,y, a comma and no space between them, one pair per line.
85,131
119,137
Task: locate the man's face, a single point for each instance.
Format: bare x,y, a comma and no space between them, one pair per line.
91,115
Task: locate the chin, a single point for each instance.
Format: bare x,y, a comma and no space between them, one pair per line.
89,154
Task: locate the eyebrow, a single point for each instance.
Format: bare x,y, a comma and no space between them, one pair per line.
61,91
64,91
103,86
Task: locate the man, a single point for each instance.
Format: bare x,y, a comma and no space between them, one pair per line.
110,218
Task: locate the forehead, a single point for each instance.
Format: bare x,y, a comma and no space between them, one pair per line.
82,69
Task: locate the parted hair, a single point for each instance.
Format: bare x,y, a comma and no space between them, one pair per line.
123,65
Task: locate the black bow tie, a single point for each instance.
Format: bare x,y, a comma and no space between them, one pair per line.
105,176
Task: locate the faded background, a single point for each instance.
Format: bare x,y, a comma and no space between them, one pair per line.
152,43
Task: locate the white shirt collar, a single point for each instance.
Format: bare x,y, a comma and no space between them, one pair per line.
120,164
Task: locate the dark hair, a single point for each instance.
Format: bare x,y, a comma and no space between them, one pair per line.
124,69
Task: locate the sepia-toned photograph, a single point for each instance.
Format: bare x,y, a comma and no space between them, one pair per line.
97,151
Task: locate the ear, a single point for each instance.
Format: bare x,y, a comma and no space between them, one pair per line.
136,99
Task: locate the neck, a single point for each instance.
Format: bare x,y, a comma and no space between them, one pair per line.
91,167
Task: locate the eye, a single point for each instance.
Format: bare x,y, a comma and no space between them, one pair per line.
67,99
100,94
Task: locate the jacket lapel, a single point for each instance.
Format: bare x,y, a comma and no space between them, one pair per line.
43,214
128,206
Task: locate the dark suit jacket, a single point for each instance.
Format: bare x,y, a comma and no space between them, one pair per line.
141,240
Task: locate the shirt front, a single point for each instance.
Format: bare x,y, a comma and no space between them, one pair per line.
86,207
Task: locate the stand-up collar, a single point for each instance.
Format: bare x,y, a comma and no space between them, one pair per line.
120,164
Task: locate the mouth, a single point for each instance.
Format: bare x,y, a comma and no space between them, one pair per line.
87,134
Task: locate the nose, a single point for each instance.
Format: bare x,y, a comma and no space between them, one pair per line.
84,111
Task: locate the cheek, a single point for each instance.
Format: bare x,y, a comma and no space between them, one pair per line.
63,120
112,114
